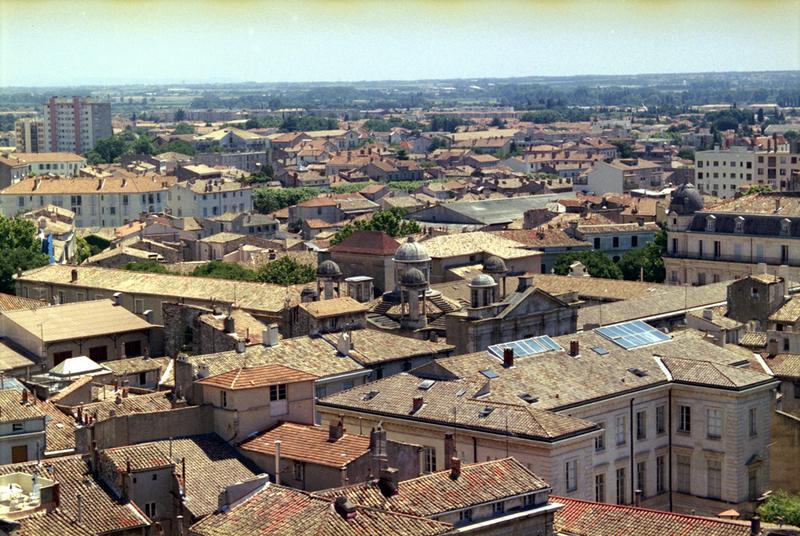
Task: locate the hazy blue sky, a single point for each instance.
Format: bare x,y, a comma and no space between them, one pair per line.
72,42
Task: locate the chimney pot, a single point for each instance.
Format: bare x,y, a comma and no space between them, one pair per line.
417,403
508,357
755,525
455,468
344,508
387,483
336,431
574,348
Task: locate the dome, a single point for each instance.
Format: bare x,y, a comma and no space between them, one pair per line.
328,269
686,200
413,278
411,251
482,280
494,265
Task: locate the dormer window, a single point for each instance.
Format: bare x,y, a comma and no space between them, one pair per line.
711,223
786,227
739,222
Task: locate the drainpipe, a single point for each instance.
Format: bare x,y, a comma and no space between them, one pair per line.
633,463
669,439
277,462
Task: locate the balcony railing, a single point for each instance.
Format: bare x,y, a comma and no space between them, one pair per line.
749,259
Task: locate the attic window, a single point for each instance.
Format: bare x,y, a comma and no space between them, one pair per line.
530,399
369,396
490,374
638,372
599,350
711,223
486,411
786,227
739,222
426,384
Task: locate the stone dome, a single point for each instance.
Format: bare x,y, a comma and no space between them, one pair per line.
411,251
686,200
494,265
413,278
328,269
482,281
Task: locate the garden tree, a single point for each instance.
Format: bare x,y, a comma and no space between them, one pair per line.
308,122
177,146
224,270
286,271
96,244
437,143
597,263
180,114
144,145
82,250
389,221
266,200
402,154
262,122
687,154
183,128
497,122
19,250
646,261
446,123
153,267
760,115
781,507
624,148
759,189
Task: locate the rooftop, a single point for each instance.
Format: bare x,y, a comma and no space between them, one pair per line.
459,244
309,443
58,322
370,346
12,408
10,302
785,204
256,377
222,238
488,211
334,307
88,185
367,243
542,238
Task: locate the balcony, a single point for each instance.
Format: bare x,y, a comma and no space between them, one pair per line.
747,259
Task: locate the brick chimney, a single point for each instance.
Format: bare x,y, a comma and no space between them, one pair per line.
574,348
508,357
387,482
449,448
344,508
455,468
417,403
336,431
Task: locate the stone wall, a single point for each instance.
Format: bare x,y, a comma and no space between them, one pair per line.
784,462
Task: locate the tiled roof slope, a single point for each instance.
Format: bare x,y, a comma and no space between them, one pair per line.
10,302
255,377
393,396
371,346
60,428
583,518
54,523
367,243
282,511
784,365
436,493
12,409
309,443
788,312
712,374
101,512
159,401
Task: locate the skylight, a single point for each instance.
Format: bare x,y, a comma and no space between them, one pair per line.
426,384
634,334
490,374
599,350
527,397
526,347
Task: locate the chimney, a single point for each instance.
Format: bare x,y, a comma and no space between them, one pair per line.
117,298
344,344
229,324
278,461
270,335
387,482
508,357
344,508
574,348
416,404
524,282
637,497
24,396
455,468
74,275
772,346
78,516
708,314
336,431
755,525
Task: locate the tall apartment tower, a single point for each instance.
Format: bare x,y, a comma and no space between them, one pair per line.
30,136
74,124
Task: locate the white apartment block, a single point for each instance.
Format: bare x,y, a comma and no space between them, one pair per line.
30,135
620,175
75,124
723,172
209,197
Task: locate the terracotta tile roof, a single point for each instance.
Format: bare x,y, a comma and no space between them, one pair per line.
718,317
10,302
316,223
87,185
309,443
101,512
159,401
292,353
394,396
11,358
370,346
60,428
592,229
318,202
245,324
255,377
54,523
538,238
12,409
285,511
222,238
258,297
437,493
98,317
71,388
712,374
135,365
453,245
140,457
33,158
367,243
763,204
333,307
788,312
584,518
784,365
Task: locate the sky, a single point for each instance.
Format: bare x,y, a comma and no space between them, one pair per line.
60,42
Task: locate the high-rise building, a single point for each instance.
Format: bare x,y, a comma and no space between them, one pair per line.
74,124
30,135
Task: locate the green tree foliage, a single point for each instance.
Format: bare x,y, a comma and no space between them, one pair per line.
183,128
446,123
96,244
19,250
687,154
553,115
152,267
389,221
597,263
110,149
266,200
759,189
437,143
781,507
624,148
177,146
733,119
262,122
308,122
385,125
286,271
82,250
224,270
180,114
